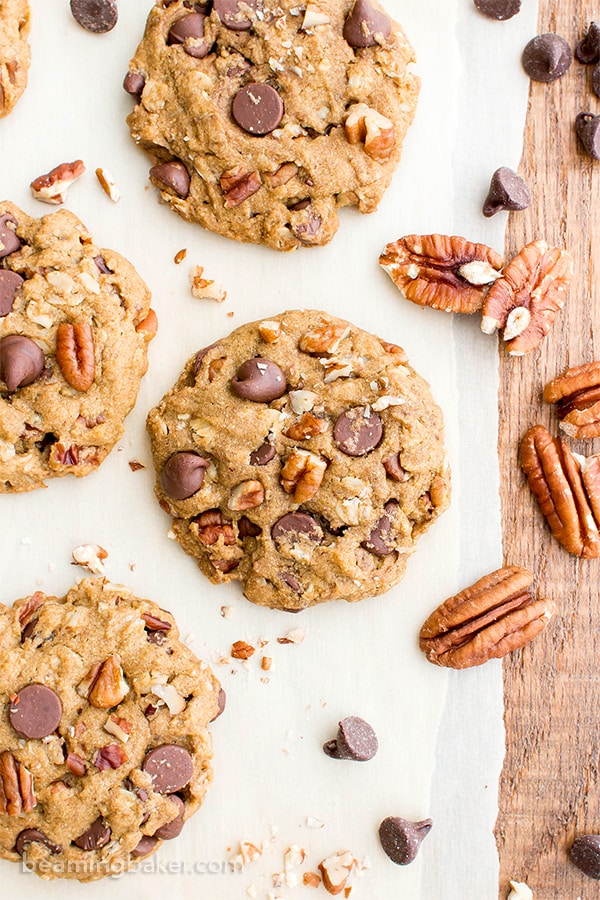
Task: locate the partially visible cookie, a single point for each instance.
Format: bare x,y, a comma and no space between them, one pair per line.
301,456
15,54
265,117
104,747
75,322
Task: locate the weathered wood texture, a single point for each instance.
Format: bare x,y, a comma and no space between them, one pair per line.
550,785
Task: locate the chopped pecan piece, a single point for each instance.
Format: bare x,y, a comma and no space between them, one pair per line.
246,495
238,184
440,271
307,426
281,175
16,786
29,608
53,187
75,354
107,685
567,489
302,474
270,331
336,870
576,394
525,300
487,620
210,526
242,650
112,756
75,764
148,326
365,125
324,339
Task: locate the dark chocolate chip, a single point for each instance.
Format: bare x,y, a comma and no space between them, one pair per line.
170,767
507,191
355,740
587,126
262,455
35,712
182,475
200,356
35,836
365,24
145,846
172,176
585,853
173,828
394,469
232,16
358,431
587,50
247,528
401,839
260,380
102,267
304,231
134,83
380,541
97,16
21,361
257,108
498,9
221,703
95,837
292,582
189,31
10,282
300,204
294,525
596,80
546,57
9,242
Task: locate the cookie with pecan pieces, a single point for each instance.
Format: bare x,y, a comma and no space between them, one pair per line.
15,54
104,745
301,456
75,323
264,117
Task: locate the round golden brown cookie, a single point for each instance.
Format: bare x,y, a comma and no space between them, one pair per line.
264,117
75,322
302,456
104,748
15,54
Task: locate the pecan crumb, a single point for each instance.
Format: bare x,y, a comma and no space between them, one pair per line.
242,650
53,187
205,288
180,256
108,184
135,465
90,557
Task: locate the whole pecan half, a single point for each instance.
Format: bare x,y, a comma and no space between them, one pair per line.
576,394
525,301
16,786
302,474
567,489
75,354
487,620
107,686
440,271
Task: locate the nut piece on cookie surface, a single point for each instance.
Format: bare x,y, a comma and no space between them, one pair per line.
576,395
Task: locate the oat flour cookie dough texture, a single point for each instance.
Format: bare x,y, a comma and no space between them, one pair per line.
264,117
104,747
302,456
75,322
15,55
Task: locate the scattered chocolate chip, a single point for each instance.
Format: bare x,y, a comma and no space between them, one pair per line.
232,16
394,469
35,836
173,176
507,191
101,265
262,455
170,768
134,83
173,828
182,475
596,80
260,380
358,431
221,702
35,712
257,108
546,57
355,740
587,50
401,839
587,126
21,361
585,853
97,16
498,9
145,846
247,528
292,582
379,542
365,25
10,282
294,525
9,242
189,31
97,836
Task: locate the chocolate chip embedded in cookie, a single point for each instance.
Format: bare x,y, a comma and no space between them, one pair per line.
75,322
15,54
104,747
264,118
301,456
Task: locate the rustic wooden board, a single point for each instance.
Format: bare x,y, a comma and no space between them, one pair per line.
550,789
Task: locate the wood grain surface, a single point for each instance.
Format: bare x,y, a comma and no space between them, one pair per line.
549,790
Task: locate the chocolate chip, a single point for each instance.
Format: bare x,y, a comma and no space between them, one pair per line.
10,282
173,828
401,839
260,380
97,836
380,541
300,204
173,176
247,528
170,768
200,356
35,712
355,740
9,242
585,853
145,846
596,80
98,16
262,455
189,31
587,50
101,265
294,525
365,24
498,9
307,230
257,108
221,702
182,475
358,431
35,836
507,191
546,57
587,126
232,16
292,582
134,83
393,467
21,361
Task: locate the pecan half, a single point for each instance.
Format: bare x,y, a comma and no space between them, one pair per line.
487,620
107,685
302,474
365,125
567,489
576,394
440,271
16,786
75,354
525,300
238,184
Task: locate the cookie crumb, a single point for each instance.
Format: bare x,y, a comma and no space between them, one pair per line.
226,612
311,822
205,288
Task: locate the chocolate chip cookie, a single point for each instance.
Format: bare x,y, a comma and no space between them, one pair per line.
104,747
15,54
75,322
264,117
301,456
